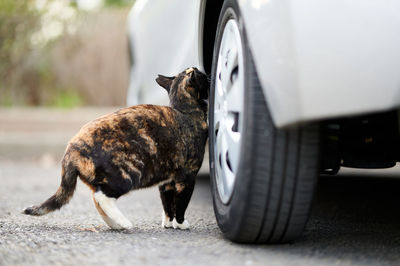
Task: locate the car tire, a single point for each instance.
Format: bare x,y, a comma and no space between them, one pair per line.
273,183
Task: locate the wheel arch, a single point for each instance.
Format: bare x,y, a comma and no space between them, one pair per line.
209,23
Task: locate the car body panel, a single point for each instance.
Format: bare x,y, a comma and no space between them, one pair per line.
315,59
164,40
322,59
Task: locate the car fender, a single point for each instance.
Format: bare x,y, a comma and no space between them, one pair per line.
323,59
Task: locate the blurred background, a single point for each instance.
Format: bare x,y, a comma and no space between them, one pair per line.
62,64
63,53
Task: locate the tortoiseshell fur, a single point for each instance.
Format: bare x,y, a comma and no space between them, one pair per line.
138,147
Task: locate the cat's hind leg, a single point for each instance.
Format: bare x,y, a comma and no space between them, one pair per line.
109,211
183,193
167,192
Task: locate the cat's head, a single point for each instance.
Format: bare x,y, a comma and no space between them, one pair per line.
188,87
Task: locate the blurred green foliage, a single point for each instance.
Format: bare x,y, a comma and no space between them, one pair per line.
18,21
26,76
118,2
62,70
67,99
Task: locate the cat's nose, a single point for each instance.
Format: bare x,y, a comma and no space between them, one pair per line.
190,70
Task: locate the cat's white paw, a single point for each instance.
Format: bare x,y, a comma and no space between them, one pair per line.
110,213
183,226
166,223
125,224
119,224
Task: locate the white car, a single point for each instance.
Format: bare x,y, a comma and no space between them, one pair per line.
298,88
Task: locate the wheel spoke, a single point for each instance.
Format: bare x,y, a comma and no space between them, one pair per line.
233,143
226,42
220,144
219,97
218,119
228,68
228,57
234,97
228,178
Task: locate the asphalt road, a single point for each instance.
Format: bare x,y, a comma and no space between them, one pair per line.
355,219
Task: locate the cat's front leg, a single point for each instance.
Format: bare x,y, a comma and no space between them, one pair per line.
183,193
167,193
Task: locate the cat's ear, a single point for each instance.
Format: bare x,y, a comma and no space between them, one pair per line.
165,82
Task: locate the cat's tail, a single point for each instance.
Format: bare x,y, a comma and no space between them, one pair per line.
62,196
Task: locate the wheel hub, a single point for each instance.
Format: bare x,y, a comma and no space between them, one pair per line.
228,109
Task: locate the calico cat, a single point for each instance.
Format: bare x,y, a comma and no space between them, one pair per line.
138,147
